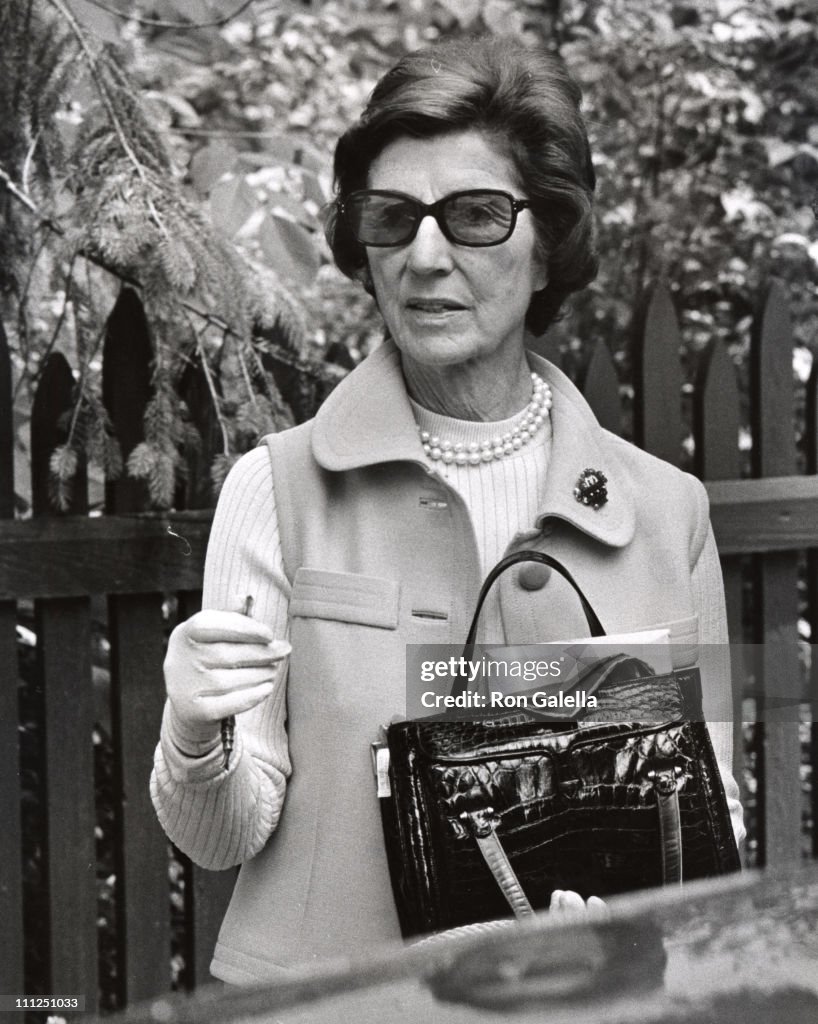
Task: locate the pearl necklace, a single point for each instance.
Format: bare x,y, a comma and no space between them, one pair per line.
498,447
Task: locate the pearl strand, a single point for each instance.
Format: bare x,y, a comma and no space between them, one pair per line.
498,447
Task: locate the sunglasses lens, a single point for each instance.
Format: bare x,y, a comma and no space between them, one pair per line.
468,218
380,220
480,218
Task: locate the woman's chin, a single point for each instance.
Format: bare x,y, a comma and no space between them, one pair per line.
435,347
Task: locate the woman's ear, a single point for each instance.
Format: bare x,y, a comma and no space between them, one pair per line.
541,278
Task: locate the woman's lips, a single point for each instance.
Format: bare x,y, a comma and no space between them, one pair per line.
434,305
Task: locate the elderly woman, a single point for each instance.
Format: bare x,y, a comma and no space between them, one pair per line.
464,205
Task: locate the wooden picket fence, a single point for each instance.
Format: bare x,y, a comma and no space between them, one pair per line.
133,559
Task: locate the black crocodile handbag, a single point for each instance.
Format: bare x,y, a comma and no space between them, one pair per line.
486,816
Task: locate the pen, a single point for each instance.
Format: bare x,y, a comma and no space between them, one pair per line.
229,723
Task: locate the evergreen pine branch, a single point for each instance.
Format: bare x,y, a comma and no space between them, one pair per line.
62,468
214,397
51,67
24,175
22,61
55,334
29,203
326,373
279,410
130,217
102,88
22,296
251,394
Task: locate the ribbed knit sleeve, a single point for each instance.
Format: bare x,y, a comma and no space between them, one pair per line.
708,595
220,818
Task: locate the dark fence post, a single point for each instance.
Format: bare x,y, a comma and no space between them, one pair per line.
137,651
811,446
600,388
657,378
198,489
715,430
11,875
776,626
63,627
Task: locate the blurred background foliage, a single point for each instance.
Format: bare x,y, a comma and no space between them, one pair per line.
186,145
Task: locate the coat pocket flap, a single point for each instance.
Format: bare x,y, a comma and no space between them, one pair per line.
684,640
345,597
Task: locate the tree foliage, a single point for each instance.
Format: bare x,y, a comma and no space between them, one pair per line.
195,158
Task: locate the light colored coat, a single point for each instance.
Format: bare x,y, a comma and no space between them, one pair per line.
381,553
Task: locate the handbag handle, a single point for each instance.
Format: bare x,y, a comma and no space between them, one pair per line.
528,555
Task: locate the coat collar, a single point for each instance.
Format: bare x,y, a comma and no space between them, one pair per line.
368,420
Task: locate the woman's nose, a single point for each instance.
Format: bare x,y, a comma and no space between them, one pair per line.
429,251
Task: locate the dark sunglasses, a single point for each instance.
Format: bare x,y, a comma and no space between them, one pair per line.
477,217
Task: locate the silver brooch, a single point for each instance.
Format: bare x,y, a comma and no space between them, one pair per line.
590,489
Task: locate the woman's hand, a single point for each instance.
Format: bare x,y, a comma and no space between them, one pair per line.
220,664
565,901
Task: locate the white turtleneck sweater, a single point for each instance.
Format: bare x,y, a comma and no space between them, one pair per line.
220,818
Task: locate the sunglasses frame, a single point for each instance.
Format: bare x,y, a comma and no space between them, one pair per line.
436,211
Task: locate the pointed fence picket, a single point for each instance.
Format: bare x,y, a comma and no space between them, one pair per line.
657,384
716,418
62,560
135,559
776,576
136,637
811,458
601,388
63,629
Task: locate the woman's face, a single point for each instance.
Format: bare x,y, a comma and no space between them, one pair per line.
445,303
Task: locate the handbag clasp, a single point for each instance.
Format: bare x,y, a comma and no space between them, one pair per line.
481,822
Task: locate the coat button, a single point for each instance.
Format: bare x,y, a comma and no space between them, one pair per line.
533,576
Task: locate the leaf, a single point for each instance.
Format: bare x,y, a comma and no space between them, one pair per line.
103,25
791,238
463,11
303,116
185,112
289,250
500,16
221,8
313,189
725,8
779,151
740,203
232,203
281,147
313,159
292,209
210,164
188,10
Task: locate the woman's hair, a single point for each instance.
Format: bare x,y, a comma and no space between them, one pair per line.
527,104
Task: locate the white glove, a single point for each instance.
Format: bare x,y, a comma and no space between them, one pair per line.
220,663
571,904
